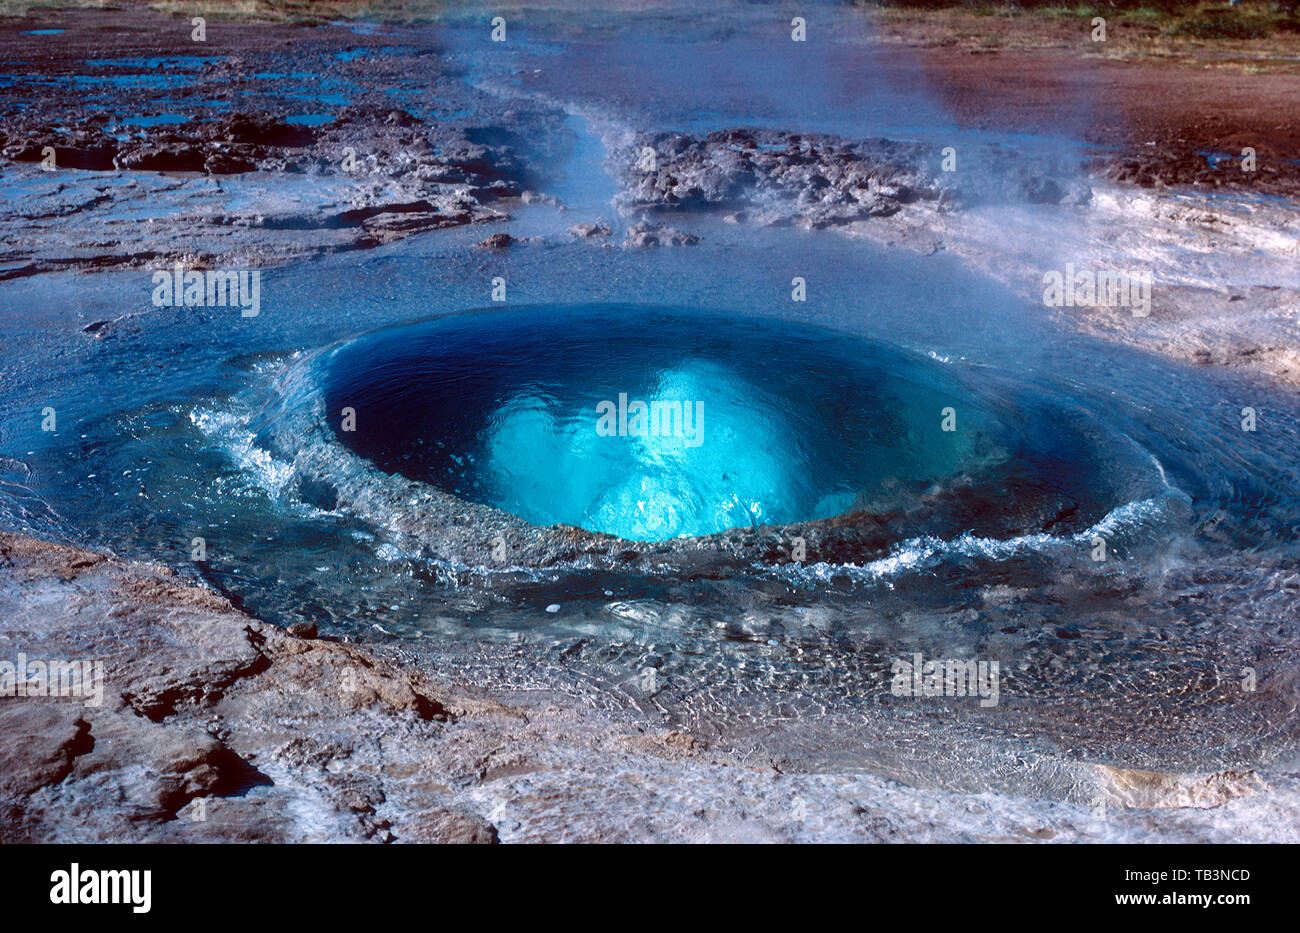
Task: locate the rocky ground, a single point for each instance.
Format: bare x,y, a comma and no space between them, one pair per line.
295,198
773,178
177,150
234,166
217,727
1225,291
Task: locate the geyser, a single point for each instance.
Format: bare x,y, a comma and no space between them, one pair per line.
657,423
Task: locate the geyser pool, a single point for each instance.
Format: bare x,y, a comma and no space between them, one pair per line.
657,423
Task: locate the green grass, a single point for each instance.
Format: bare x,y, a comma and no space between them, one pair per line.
1146,14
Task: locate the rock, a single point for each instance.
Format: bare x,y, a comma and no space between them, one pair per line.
450,827
497,241
259,129
355,202
1039,190
648,234
672,744
1128,787
38,743
196,697
815,180
260,736
228,163
641,239
589,230
164,158
90,158
302,629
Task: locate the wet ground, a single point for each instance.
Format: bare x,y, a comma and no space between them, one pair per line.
1174,653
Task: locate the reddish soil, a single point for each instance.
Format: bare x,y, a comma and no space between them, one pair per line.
1182,111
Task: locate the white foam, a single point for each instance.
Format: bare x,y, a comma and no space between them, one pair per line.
929,550
230,431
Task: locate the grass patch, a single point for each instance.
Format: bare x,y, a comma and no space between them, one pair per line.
1177,19
306,11
23,7
1214,24
273,11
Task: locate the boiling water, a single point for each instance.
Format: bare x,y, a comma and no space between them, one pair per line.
187,423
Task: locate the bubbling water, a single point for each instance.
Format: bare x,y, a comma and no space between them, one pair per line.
660,423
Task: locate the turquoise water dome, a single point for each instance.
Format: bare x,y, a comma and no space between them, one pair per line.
657,423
